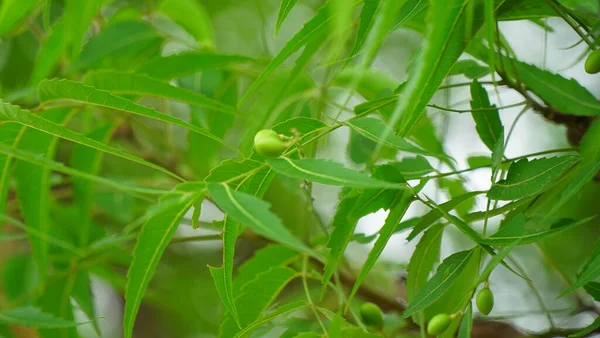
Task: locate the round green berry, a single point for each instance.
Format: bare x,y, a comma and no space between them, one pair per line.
592,63
438,324
371,315
267,143
485,301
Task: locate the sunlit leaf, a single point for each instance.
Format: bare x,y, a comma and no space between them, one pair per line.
284,9
13,12
188,63
192,16
327,172
526,178
366,21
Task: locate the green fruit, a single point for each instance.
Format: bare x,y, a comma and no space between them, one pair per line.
268,143
371,315
438,324
592,63
485,301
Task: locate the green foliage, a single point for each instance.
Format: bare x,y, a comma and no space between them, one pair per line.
286,126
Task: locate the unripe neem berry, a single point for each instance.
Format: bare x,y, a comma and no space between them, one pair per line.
438,324
485,301
592,63
268,143
371,315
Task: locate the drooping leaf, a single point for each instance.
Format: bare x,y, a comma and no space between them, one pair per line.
470,69
13,12
528,230
435,214
526,178
193,17
313,27
487,122
33,186
378,131
445,41
119,83
256,297
30,316
10,113
398,209
188,63
327,172
255,214
53,90
422,261
151,244
565,95
445,276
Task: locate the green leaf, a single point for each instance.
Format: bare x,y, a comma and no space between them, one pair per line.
566,96
366,21
110,42
590,272
487,122
313,27
10,113
33,186
280,311
33,317
470,69
223,276
13,12
445,40
151,244
446,275
78,17
497,259
193,17
118,83
254,213
466,326
10,133
422,261
270,256
52,48
529,230
378,131
526,178
49,164
435,214
88,160
413,167
188,63
350,209
257,296
82,294
230,170
53,90
589,329
593,289
399,207
327,172
284,9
